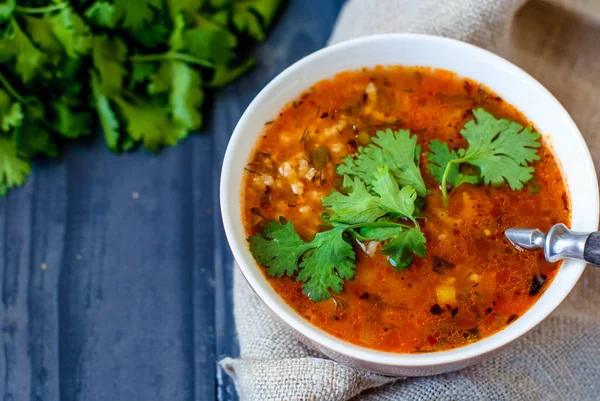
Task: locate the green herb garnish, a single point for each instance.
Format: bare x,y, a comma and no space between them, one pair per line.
396,150
380,210
328,259
360,205
501,149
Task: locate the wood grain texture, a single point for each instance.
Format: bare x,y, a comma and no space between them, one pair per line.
115,275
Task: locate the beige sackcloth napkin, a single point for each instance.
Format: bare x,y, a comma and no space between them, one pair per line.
558,42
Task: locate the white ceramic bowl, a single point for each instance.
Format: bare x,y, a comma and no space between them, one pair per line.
508,81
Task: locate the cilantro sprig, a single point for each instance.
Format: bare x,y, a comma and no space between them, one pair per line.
325,262
359,205
138,68
396,150
373,206
501,149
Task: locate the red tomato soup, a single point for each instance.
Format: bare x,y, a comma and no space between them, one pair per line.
472,283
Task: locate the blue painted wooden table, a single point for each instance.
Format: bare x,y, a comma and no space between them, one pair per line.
115,274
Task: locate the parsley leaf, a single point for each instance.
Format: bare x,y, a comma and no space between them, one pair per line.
149,124
360,206
328,265
397,150
403,246
251,16
17,49
327,260
439,157
404,243
136,14
13,169
400,202
109,56
356,207
183,86
500,148
11,113
106,115
279,247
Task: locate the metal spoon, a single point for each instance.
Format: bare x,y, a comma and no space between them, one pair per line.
559,243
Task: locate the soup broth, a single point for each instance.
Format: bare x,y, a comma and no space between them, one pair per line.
472,281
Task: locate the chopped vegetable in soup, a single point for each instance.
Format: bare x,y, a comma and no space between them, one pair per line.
377,203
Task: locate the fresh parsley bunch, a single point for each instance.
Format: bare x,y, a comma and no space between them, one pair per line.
138,67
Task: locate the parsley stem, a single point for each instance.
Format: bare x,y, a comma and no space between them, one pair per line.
377,224
445,178
144,58
10,89
41,10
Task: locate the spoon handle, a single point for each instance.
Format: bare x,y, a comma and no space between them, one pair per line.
591,250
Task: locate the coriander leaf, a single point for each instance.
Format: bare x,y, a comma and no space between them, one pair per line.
403,246
404,243
40,31
146,21
266,9
326,261
32,139
109,55
7,7
252,16
29,136
358,206
395,149
279,248
399,202
153,35
223,74
186,96
221,17
439,157
150,124
136,14
246,21
72,33
11,113
176,39
328,265
140,72
184,5
501,149
16,45
221,3
214,44
103,14
13,169
185,92
70,123
378,233
106,115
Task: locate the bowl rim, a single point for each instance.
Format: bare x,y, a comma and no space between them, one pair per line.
321,337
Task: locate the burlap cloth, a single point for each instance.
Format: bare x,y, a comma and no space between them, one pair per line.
557,42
